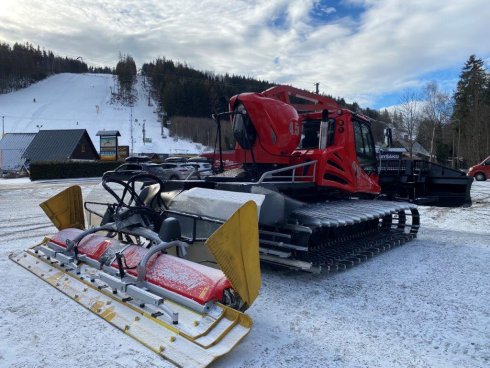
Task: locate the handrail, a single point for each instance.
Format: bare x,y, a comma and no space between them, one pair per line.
293,176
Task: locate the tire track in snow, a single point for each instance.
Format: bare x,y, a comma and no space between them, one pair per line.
25,231
13,219
27,226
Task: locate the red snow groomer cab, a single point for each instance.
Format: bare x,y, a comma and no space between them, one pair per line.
329,147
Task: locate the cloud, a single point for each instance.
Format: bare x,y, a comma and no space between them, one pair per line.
328,9
358,49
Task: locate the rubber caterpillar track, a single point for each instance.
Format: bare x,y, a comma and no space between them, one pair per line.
346,233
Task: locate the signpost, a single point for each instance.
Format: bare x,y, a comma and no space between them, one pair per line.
122,152
109,149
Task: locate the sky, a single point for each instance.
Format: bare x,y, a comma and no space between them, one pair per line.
368,51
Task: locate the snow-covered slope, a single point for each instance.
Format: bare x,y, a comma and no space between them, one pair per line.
74,101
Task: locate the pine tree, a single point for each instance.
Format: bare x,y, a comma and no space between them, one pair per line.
470,118
126,76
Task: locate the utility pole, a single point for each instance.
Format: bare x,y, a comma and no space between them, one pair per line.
164,118
452,165
459,141
317,88
3,126
144,131
131,122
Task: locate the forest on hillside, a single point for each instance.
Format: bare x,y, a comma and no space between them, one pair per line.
184,91
23,64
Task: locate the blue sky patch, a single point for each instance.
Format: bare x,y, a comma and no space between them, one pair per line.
326,11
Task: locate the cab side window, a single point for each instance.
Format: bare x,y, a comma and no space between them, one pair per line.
311,134
365,151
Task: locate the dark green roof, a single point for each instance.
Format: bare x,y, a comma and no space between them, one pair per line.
54,145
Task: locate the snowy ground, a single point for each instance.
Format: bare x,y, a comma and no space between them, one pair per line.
76,101
425,304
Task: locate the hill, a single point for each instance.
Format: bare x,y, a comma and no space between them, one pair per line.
74,101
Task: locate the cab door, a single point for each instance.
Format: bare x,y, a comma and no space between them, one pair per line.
366,167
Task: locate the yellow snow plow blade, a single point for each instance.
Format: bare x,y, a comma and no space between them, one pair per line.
196,341
235,245
65,209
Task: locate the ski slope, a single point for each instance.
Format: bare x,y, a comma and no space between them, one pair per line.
74,101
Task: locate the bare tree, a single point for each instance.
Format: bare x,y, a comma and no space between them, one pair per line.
437,110
409,112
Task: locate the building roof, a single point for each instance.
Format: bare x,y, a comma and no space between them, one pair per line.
417,148
16,140
54,145
397,144
12,147
108,133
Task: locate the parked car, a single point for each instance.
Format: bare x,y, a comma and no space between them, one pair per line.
137,159
481,171
176,159
187,171
128,170
198,159
204,168
203,165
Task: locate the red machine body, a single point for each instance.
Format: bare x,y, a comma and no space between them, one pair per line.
189,279
277,128
281,127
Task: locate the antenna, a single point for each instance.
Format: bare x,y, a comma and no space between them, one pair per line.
317,87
